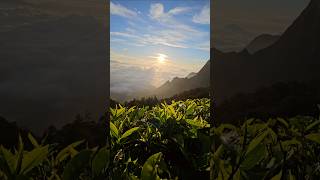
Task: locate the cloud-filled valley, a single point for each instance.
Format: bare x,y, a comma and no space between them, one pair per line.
171,29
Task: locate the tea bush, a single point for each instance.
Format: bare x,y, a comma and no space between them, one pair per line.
176,141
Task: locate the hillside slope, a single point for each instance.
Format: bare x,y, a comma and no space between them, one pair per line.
294,57
179,85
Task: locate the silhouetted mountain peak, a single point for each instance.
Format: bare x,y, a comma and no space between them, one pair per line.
303,35
190,75
178,85
293,57
245,52
261,42
205,70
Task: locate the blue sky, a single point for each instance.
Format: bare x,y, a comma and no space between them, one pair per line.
155,41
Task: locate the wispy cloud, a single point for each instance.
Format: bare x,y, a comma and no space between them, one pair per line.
168,31
178,38
165,37
157,12
123,34
203,17
172,46
203,46
167,19
118,9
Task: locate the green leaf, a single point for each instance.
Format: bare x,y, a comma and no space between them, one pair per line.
9,159
19,155
194,122
257,140
113,112
114,130
291,177
284,122
314,137
34,158
76,165
172,110
101,161
254,157
314,124
237,175
288,143
133,177
149,169
128,133
273,136
218,152
278,176
120,111
69,150
190,110
33,140
198,123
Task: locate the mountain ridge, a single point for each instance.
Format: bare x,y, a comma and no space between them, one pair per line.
294,57
296,50
261,42
178,85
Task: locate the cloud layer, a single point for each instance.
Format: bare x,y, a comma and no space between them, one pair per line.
159,28
164,29
117,9
203,17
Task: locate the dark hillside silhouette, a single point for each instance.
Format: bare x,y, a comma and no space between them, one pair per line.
294,57
196,93
179,85
284,100
261,42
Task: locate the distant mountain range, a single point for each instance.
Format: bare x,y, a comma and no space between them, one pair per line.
47,54
268,59
261,42
190,75
295,56
179,85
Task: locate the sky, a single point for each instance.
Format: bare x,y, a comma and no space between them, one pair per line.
66,65
152,42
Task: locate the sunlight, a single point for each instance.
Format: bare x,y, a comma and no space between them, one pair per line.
161,58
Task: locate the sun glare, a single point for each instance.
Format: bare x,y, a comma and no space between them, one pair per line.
161,58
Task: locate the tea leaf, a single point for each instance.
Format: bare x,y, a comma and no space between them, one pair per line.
315,137
128,133
76,165
101,161
149,169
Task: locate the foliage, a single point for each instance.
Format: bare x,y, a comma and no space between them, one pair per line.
175,141
197,93
179,131
276,149
142,140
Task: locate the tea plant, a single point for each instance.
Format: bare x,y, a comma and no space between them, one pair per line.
276,149
178,132
176,141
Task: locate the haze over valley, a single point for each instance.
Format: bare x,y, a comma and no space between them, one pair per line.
155,42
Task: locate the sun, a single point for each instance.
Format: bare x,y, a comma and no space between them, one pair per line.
161,58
